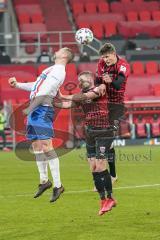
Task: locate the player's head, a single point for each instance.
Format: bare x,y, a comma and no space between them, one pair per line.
64,54
86,80
108,54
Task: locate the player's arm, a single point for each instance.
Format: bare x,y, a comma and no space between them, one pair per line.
123,73
64,104
118,82
24,86
78,97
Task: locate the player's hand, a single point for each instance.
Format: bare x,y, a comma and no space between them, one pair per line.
25,111
12,82
102,89
59,94
106,78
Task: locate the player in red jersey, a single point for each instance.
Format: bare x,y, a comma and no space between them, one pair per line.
112,74
99,134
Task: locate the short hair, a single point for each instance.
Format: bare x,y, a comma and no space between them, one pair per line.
107,48
70,54
86,73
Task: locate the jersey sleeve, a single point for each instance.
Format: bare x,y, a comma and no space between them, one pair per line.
124,69
25,86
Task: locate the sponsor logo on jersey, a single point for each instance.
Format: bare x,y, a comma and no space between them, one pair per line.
122,68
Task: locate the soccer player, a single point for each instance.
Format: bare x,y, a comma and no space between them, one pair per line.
112,74
40,120
99,134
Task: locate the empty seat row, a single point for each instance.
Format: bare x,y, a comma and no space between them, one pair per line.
29,13
116,7
120,7
143,15
89,8
150,67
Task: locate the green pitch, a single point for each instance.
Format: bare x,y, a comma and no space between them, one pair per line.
74,215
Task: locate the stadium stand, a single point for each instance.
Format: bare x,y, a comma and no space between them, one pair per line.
115,21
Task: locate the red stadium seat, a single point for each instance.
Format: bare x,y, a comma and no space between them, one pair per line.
151,5
37,18
141,130
83,24
98,30
28,8
124,129
155,129
23,18
91,8
156,15
110,29
138,68
103,7
71,73
33,27
151,67
42,67
132,16
156,89
78,8
117,7
30,47
145,15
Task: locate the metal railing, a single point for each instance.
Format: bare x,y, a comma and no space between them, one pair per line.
17,43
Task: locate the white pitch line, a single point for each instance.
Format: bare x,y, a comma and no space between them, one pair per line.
85,191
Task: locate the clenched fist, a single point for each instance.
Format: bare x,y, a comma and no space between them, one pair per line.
12,82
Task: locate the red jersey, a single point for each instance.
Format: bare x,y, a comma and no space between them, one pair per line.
96,112
121,67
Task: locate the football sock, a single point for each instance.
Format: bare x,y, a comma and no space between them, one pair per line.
107,183
111,162
54,167
99,183
42,165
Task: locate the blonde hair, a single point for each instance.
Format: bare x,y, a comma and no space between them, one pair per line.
86,73
70,54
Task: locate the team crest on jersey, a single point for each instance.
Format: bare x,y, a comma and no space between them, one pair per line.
102,149
123,68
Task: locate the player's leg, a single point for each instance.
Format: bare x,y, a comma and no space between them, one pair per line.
53,160
42,164
91,154
112,165
102,146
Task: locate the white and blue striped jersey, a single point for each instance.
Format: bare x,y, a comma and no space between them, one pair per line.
47,83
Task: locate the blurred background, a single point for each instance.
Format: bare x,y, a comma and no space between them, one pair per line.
32,30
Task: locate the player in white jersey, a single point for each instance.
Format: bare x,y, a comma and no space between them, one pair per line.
40,119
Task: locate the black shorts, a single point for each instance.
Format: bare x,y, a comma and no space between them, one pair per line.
98,141
116,111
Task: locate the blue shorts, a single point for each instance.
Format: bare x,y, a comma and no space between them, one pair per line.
40,123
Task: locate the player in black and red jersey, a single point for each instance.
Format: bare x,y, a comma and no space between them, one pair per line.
112,74
99,134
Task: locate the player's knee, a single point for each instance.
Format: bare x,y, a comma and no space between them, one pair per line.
37,146
92,164
100,165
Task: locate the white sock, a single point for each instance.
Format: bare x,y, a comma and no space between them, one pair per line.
55,172
42,164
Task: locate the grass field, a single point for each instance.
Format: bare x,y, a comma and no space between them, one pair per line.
74,215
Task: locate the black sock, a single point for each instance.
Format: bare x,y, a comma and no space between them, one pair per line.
111,162
99,183
107,183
